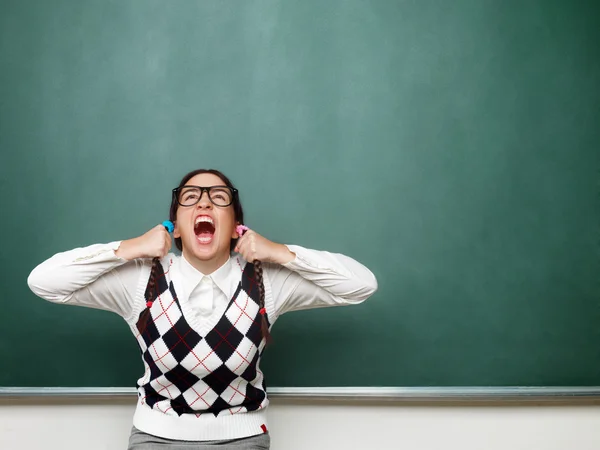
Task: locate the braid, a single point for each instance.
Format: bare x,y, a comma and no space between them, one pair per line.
150,293
258,276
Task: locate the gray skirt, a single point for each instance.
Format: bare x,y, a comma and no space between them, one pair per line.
138,440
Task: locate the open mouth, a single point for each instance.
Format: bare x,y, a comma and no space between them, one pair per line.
204,229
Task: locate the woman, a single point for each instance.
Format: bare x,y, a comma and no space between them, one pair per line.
201,319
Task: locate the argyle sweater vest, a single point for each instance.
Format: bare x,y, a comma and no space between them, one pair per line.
189,372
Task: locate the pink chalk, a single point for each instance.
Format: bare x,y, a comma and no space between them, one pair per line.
241,229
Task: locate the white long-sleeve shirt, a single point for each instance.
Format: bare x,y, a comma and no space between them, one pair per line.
95,277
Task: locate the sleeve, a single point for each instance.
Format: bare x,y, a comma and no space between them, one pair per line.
316,279
93,277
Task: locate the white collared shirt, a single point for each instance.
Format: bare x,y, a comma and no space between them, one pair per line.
205,291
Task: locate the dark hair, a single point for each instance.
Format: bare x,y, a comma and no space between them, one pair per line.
239,218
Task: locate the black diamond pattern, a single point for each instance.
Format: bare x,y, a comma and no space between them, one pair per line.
218,406
254,397
152,396
180,406
181,339
220,379
224,338
250,372
255,332
181,378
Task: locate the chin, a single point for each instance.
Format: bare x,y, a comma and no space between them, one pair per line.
210,252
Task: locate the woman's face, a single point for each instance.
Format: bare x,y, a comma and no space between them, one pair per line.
205,229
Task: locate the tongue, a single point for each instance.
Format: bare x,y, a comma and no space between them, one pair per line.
205,237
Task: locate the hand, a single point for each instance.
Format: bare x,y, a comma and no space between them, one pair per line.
155,243
252,246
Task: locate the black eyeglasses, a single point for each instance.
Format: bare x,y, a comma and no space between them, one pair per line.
218,195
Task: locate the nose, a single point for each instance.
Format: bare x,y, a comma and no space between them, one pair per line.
204,201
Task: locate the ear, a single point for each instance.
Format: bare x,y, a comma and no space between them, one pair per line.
234,233
176,233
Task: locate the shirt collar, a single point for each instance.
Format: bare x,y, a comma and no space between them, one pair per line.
221,277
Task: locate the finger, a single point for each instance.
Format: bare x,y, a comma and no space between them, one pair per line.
240,243
247,245
244,251
248,236
166,241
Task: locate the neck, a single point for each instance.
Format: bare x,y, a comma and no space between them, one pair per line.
208,266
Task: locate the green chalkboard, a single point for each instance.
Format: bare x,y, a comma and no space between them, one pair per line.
453,147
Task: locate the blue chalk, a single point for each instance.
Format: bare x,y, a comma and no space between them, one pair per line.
168,225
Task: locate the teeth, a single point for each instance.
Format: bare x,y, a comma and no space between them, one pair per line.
204,219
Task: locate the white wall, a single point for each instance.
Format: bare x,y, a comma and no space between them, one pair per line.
61,424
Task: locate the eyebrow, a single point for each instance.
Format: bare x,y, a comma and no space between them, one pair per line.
206,187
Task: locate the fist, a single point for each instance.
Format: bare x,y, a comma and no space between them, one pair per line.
155,243
252,246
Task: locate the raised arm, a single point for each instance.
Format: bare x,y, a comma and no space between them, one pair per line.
103,276
315,279
299,278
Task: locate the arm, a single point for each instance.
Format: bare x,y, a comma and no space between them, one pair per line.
315,279
104,276
298,278
92,276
